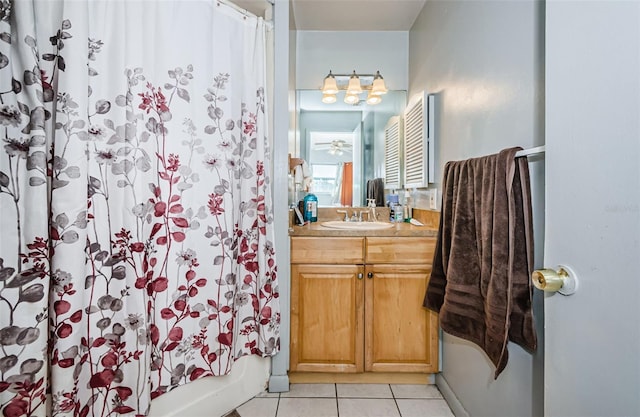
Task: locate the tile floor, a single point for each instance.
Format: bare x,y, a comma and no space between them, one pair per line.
349,400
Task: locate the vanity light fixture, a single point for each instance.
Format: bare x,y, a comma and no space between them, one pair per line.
329,86
353,85
378,86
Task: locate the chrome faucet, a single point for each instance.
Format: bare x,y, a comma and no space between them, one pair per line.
346,214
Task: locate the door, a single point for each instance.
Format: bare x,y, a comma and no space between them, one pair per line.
592,224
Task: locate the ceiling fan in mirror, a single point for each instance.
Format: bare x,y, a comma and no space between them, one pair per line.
335,147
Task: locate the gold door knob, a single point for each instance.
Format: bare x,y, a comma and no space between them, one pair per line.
563,280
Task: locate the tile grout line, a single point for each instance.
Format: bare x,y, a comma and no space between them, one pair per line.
395,400
278,404
335,391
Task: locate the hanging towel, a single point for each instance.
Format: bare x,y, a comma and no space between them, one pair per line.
480,282
306,169
297,175
375,190
302,175
307,175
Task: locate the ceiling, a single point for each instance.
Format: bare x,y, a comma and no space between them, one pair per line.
339,15
360,15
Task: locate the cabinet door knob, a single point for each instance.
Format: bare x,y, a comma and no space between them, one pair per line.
370,275
360,275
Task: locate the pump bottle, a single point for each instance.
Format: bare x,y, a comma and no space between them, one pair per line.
310,207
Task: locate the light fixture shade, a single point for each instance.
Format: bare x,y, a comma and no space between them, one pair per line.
329,98
351,98
373,99
354,84
378,86
330,86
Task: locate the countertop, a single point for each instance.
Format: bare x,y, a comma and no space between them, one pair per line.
398,229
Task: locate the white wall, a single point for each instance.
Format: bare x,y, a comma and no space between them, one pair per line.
317,52
484,60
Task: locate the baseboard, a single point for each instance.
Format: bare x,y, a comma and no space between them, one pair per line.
361,378
450,397
279,383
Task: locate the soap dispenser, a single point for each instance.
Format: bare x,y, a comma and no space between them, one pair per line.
310,207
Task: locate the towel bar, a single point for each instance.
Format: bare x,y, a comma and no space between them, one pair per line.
530,152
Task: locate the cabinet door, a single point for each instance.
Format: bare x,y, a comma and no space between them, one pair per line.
327,306
400,335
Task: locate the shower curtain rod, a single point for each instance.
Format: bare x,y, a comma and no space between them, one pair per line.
240,9
530,152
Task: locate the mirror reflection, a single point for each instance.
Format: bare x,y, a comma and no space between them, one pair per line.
343,144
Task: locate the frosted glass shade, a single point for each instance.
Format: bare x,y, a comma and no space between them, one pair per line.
330,86
329,98
354,84
378,86
351,98
373,99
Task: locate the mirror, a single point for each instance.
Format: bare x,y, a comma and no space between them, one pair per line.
343,144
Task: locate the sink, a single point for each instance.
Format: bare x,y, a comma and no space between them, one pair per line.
338,224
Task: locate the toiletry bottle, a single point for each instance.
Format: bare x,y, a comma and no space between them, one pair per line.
399,212
310,207
300,220
407,213
393,206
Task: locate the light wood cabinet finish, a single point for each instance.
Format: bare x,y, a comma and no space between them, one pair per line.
357,305
327,305
327,250
400,334
399,250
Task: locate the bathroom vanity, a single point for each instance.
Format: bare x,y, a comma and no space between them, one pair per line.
356,300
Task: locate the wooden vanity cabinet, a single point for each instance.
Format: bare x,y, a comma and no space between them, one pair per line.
356,305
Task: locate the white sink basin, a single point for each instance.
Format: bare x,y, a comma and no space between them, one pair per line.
338,224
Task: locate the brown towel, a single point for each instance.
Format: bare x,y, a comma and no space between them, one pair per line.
375,190
480,282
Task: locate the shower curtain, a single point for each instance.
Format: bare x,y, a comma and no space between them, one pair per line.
136,252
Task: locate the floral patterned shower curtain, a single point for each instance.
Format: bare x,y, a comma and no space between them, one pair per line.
136,227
